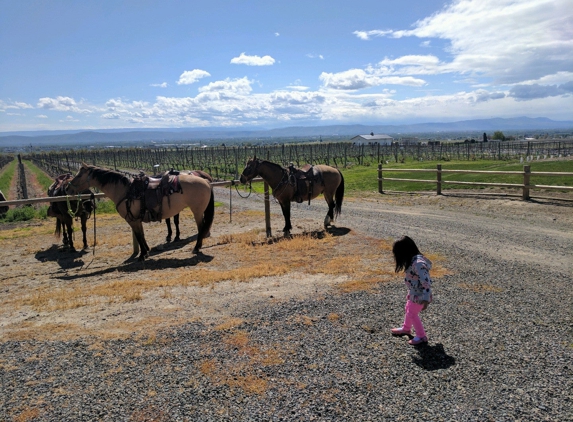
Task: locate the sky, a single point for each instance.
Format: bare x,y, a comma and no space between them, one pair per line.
108,64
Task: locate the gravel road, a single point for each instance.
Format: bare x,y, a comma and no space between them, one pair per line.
500,331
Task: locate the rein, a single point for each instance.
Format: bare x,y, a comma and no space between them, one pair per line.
71,212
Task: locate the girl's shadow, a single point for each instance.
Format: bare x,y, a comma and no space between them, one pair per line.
433,357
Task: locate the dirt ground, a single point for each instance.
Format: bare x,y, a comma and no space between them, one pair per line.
49,292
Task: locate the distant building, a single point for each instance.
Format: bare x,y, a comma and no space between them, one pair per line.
373,139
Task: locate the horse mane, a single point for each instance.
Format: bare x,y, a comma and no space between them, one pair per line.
272,164
105,176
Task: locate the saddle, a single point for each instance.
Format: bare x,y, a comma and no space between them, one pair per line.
58,184
58,188
151,191
303,180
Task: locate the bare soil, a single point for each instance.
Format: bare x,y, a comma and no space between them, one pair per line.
49,292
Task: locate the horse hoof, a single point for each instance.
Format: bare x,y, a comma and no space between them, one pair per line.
177,239
168,239
195,251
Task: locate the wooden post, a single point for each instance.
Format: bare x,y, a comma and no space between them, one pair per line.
439,180
267,210
380,190
526,177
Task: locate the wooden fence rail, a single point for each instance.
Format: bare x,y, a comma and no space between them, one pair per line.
525,186
221,184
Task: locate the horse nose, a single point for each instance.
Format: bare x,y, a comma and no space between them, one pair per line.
243,179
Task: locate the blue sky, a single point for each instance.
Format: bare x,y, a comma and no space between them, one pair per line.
164,64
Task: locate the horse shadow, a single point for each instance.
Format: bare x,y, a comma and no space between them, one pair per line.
432,358
65,258
133,265
338,231
171,246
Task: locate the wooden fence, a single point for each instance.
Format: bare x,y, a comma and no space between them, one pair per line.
525,186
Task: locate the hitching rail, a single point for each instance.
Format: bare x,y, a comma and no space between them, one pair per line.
525,186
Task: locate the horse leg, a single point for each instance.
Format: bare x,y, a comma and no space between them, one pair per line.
285,207
330,214
169,231
137,231
135,242
84,219
177,232
70,229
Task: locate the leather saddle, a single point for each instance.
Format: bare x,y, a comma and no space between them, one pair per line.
303,180
151,190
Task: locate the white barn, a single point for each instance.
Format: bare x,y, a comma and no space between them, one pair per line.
372,139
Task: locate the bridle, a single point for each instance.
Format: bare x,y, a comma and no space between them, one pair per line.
76,187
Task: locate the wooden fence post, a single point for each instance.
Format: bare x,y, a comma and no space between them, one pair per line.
526,178
267,210
439,180
380,178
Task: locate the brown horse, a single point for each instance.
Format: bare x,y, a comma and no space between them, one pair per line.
65,211
3,209
321,179
195,193
199,173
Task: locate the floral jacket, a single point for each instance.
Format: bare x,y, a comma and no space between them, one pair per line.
417,278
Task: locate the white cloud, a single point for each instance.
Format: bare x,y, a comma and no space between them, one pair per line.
14,105
240,86
507,40
253,60
61,104
355,79
110,116
189,77
161,85
366,35
277,34
41,116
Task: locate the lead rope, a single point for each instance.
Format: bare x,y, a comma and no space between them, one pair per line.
92,199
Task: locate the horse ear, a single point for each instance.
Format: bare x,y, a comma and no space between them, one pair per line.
255,157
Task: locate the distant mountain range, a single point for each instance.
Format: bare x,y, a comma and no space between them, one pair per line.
117,137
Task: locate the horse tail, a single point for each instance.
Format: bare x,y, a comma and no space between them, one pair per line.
58,231
339,196
208,216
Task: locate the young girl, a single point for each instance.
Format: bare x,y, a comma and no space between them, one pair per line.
417,278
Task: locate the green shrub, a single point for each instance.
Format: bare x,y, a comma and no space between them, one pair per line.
19,214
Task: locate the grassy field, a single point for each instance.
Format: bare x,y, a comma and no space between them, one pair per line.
43,179
365,178
6,176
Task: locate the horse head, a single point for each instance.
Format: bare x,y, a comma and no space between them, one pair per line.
80,182
251,170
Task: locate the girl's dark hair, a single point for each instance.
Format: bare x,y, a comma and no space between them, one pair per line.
404,251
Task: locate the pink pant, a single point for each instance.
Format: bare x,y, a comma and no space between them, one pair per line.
412,318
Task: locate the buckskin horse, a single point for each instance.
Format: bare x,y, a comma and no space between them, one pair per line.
290,185
65,211
199,173
192,191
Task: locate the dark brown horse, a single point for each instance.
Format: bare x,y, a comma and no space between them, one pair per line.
66,211
199,173
3,209
195,193
289,186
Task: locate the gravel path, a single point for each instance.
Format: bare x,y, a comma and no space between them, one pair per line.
500,329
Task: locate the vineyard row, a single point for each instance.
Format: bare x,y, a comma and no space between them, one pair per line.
226,163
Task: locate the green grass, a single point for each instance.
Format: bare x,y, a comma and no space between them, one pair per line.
6,177
43,179
365,178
